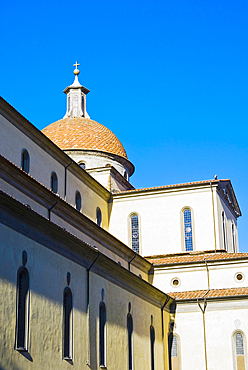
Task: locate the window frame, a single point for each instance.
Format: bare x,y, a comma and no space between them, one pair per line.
130,342
234,238
78,194
178,350
25,327
98,209
224,231
102,336
183,229
152,346
25,160
235,366
54,181
82,164
130,231
68,356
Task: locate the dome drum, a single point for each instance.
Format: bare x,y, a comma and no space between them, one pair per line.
98,159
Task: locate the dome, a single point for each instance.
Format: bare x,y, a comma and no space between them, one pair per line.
83,133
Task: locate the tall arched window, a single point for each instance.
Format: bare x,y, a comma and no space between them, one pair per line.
152,341
22,310
188,233
54,182
83,105
102,334
233,238
240,351
67,345
98,216
135,232
224,230
78,200
130,341
25,161
174,354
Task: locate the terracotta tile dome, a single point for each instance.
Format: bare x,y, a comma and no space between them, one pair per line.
83,133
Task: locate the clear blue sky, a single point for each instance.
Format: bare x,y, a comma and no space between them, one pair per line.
169,78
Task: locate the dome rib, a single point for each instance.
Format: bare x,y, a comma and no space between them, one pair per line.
83,133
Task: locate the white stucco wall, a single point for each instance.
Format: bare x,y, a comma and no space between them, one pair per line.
194,276
161,226
221,324
48,278
161,221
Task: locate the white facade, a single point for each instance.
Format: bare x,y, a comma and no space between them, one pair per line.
191,276
223,319
161,221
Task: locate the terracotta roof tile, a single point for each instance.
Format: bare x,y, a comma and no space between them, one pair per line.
174,185
194,294
193,257
83,133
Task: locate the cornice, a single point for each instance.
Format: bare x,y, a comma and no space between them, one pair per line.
210,299
202,263
164,189
234,210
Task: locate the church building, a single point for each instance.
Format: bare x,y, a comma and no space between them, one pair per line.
96,274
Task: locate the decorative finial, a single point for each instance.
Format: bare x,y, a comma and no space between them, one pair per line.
215,177
76,70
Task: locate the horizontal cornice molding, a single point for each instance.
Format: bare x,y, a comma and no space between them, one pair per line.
164,189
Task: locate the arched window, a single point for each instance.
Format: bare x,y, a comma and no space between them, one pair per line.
67,350
83,105
25,161
239,351
135,232
102,334
22,310
174,354
188,234
69,103
126,175
152,340
78,200
82,165
130,341
224,230
98,216
54,182
233,238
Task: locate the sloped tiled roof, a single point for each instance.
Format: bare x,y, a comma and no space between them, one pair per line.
83,133
175,185
213,293
193,257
